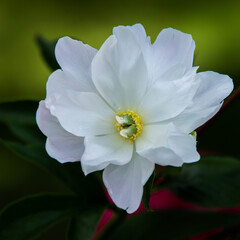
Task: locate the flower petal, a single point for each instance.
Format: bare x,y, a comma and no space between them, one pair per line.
172,47
162,156
125,183
119,71
153,136
75,58
165,145
143,40
184,145
61,145
84,114
100,151
140,33
166,99
213,89
59,82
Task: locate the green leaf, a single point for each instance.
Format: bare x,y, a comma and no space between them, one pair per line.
147,191
18,122
172,225
29,217
47,49
83,226
211,182
20,133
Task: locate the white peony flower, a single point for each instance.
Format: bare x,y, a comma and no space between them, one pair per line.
128,106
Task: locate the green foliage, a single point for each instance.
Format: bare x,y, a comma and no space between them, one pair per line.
83,225
29,217
34,214
172,224
18,119
211,182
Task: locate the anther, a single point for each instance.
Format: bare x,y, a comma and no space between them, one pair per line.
129,125
125,120
128,132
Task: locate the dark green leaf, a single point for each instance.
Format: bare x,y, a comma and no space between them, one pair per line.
29,217
20,133
172,225
18,122
147,191
47,49
211,182
83,226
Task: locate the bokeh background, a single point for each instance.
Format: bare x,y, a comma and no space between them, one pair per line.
214,25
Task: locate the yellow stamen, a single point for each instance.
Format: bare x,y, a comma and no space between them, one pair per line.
137,123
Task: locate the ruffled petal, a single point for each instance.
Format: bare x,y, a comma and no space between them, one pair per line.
167,146
59,83
140,34
172,47
143,40
75,58
166,99
213,89
84,114
100,151
125,183
119,71
61,145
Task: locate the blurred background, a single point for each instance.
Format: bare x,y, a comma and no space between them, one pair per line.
214,25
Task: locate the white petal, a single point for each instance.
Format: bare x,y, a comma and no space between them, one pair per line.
144,41
172,47
84,114
162,156
119,71
125,183
166,99
153,144
165,145
140,34
59,82
184,145
213,89
100,151
75,57
61,145
153,136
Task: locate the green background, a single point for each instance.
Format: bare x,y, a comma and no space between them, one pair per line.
214,25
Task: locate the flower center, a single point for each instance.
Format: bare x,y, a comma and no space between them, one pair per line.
129,125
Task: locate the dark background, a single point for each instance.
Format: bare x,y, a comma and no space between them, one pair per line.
214,25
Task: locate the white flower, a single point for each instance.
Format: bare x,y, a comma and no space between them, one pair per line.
128,106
